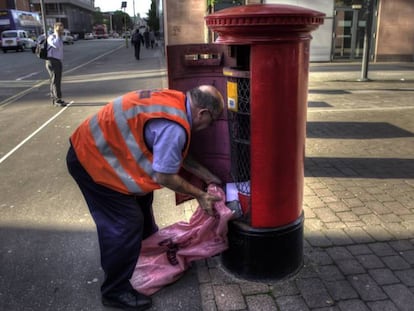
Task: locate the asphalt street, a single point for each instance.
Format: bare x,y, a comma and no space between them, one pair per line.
49,251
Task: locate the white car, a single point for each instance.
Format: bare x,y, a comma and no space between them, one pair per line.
17,40
88,36
67,38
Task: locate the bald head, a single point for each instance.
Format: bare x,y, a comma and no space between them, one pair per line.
207,97
211,90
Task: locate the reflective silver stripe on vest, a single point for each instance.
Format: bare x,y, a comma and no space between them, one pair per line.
106,152
121,118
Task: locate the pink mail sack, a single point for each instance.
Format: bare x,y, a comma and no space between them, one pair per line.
166,254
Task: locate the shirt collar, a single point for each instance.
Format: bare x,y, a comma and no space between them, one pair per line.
188,110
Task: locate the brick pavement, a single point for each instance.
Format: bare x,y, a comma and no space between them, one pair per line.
358,203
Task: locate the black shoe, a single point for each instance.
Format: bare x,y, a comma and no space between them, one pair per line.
59,102
130,300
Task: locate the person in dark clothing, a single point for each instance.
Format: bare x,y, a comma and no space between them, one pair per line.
147,38
136,40
152,38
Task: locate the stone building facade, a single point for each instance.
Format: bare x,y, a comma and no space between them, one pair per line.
340,38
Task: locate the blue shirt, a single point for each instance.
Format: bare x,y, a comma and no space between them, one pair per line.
167,140
55,47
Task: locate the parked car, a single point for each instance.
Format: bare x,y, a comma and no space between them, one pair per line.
88,36
126,34
17,40
67,38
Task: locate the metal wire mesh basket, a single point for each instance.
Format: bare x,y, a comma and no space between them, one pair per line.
239,129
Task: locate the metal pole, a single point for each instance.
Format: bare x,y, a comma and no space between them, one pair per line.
123,6
125,25
42,9
367,42
135,18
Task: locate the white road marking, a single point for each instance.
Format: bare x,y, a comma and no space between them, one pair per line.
27,76
34,133
15,97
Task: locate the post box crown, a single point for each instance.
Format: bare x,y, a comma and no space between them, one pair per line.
261,22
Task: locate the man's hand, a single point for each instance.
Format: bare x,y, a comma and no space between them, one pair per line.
206,201
178,184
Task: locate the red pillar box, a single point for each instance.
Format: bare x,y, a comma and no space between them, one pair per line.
267,102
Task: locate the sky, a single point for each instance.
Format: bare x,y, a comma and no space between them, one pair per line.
141,6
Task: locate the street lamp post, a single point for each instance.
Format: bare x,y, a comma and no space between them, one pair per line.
135,18
367,41
110,23
123,6
42,9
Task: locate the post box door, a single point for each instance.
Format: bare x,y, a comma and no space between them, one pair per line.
191,65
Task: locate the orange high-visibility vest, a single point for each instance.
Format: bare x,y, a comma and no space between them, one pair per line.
111,145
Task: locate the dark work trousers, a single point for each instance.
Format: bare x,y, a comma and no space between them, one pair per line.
54,68
122,222
137,49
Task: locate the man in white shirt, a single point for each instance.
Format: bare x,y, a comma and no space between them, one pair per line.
54,64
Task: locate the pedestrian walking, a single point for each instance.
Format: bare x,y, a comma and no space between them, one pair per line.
152,38
54,64
147,38
136,40
118,157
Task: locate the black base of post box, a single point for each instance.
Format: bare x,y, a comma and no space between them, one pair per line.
269,253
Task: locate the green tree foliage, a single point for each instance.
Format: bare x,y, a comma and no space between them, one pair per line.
212,3
98,17
152,20
118,21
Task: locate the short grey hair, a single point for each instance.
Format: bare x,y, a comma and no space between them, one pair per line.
205,100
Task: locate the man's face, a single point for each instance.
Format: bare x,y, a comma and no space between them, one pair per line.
59,29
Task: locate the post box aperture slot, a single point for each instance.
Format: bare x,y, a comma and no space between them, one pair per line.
203,59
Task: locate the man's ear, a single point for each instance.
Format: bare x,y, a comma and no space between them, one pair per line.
200,113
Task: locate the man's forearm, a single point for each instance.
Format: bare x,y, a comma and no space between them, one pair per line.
194,167
178,184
